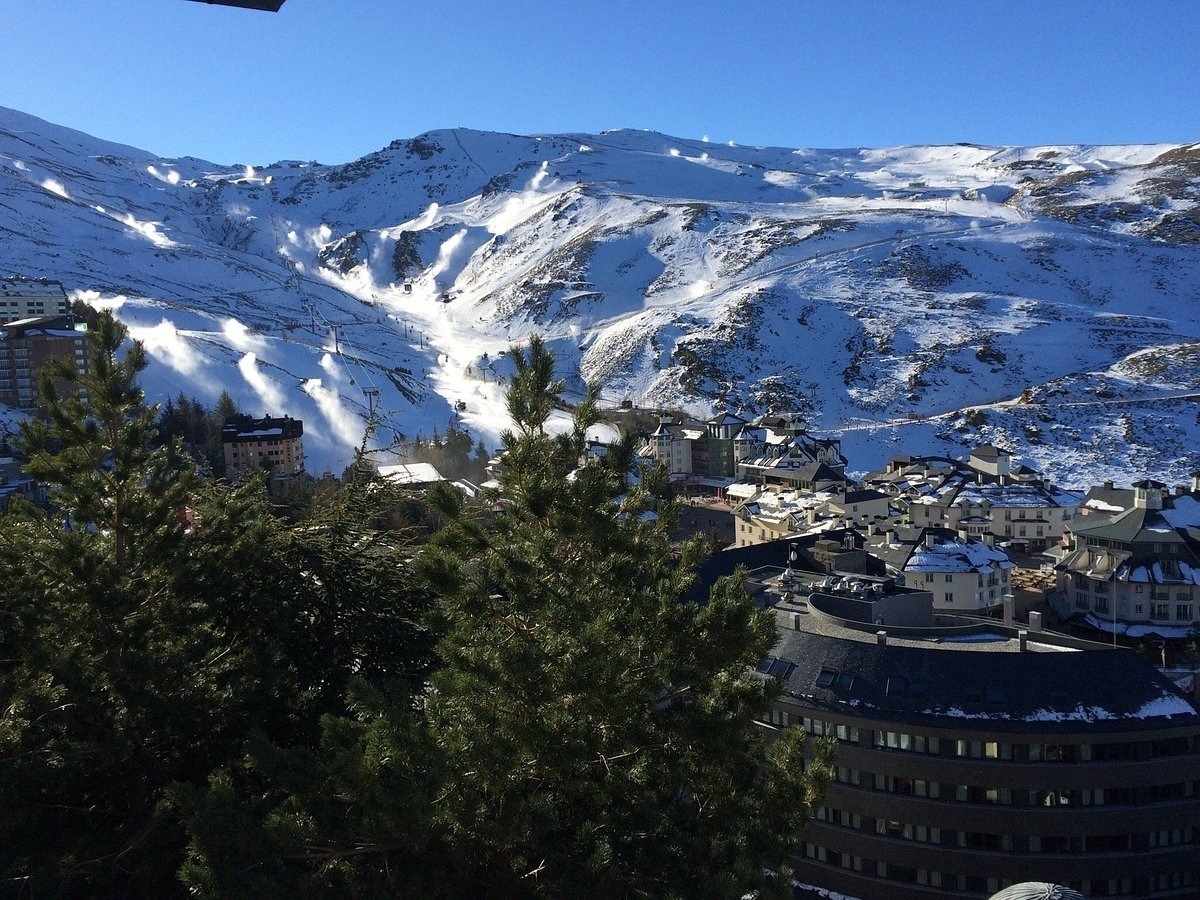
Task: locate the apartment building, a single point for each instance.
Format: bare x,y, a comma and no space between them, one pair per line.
27,298
251,445
972,756
28,345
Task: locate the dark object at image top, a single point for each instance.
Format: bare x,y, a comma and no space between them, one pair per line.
266,5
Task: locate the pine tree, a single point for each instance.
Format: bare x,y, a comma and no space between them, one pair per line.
348,810
145,630
596,729
214,447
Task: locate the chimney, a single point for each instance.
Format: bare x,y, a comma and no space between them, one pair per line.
1008,610
1180,490
930,540
1035,621
1108,485
1023,637
881,638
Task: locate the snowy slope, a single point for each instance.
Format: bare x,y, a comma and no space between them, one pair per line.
907,298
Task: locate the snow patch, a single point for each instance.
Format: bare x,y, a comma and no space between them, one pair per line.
268,391
56,188
164,342
347,426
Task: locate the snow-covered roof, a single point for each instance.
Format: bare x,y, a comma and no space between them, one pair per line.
261,433
741,491
411,473
958,556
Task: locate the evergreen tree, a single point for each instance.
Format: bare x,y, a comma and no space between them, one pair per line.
147,626
595,729
347,811
214,447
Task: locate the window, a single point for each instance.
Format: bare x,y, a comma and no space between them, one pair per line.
1164,793
976,841
898,740
826,678
1049,798
1171,746
839,817
1171,837
1183,611
948,597
1161,611
775,717
845,680
897,687
1113,752
903,831
965,793
949,578
1068,753
819,728
983,749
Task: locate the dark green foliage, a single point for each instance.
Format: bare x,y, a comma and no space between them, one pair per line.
595,728
345,807
197,696
349,818
197,428
133,648
451,455
150,623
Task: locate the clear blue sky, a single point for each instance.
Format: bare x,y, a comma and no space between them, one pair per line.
332,80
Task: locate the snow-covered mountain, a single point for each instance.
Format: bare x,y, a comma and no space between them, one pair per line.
915,299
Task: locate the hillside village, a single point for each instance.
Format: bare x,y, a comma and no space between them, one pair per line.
946,622
514,511
960,579
995,536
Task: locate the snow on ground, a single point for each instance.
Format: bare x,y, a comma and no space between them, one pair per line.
914,299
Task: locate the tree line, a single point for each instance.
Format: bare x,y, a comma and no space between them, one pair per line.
198,697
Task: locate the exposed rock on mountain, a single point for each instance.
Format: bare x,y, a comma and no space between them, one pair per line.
913,299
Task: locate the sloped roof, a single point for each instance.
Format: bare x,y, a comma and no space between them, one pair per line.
992,682
1132,525
411,473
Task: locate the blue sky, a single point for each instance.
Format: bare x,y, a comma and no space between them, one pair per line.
332,80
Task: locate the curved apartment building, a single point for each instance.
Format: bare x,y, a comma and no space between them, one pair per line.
972,756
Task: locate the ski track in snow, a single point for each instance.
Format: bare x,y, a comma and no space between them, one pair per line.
903,298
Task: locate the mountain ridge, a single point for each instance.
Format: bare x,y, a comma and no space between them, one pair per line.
914,299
